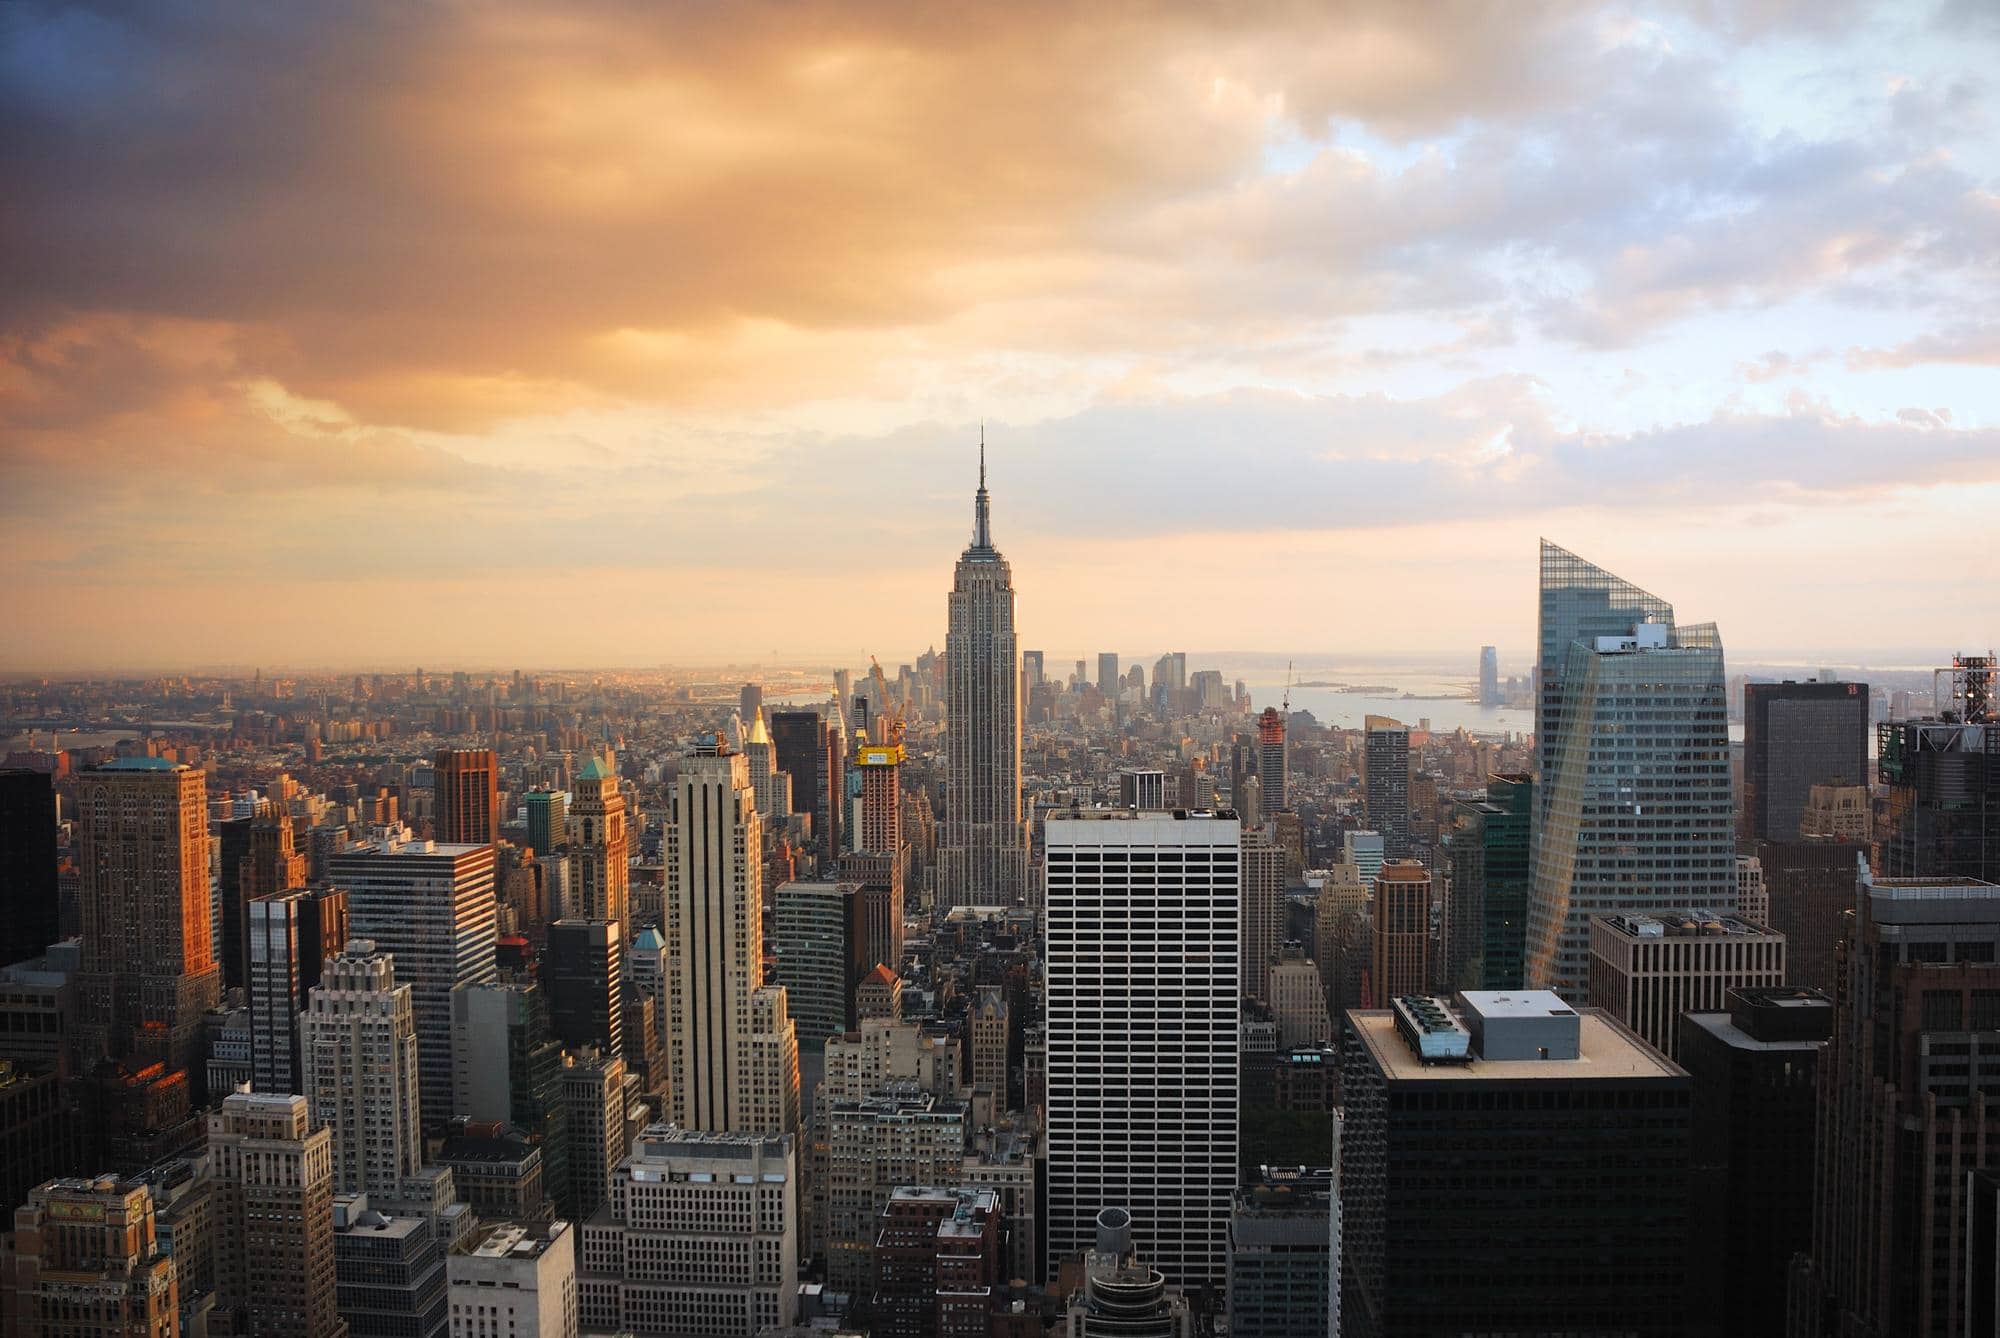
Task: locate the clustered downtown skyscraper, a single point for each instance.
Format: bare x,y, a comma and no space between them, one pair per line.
983,848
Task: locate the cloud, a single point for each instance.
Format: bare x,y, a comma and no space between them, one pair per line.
443,217
1778,364
1973,344
645,298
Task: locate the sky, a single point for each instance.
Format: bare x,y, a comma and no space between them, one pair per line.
618,333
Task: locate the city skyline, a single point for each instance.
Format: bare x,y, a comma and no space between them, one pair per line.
528,802
1345,287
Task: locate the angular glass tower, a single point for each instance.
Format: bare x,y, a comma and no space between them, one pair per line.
1634,810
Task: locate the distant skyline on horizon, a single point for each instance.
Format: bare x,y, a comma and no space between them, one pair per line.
1268,665
637,333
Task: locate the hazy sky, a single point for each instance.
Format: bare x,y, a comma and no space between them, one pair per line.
620,333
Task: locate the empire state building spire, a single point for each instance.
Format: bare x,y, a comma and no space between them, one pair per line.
982,507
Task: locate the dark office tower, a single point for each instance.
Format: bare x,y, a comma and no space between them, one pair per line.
271,864
1943,776
750,700
548,820
1634,810
983,849
817,938
1982,1227
1478,1144
799,743
149,970
290,936
1906,1090
41,1132
1487,853
1755,1073
1796,736
508,1069
1386,768
1810,888
880,878
1278,1256
1489,676
1274,776
584,975
466,808
1107,673
30,914
389,1273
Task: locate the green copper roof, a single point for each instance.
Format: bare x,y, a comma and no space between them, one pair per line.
595,769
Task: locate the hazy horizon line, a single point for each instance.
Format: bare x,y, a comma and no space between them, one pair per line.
1902,659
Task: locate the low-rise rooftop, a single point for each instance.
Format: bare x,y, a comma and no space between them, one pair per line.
518,1242
1691,923
1606,1050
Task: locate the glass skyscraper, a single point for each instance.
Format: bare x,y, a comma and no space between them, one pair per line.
1634,809
1487,852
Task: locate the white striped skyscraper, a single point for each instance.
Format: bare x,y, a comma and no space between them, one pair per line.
1144,941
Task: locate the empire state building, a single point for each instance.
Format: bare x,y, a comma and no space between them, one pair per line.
983,850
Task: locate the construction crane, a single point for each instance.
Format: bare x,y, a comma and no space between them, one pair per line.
1285,704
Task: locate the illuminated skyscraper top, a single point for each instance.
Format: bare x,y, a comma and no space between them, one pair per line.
983,849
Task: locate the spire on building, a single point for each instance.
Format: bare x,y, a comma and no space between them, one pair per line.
760,733
982,513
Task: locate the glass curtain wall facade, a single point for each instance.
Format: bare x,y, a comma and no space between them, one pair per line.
1635,807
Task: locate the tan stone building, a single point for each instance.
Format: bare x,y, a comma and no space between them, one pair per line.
1401,960
84,1262
272,1206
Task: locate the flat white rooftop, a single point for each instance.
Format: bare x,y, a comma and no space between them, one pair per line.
1606,1050
1517,1003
